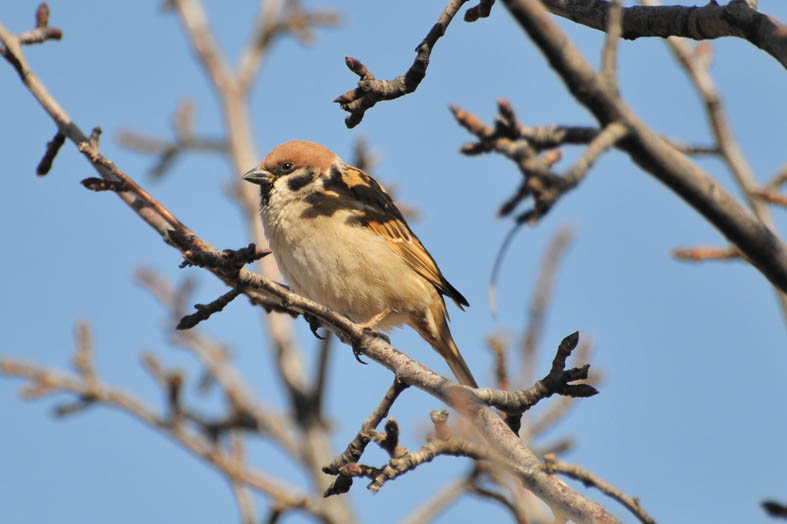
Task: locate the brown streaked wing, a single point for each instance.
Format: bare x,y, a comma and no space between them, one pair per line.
381,215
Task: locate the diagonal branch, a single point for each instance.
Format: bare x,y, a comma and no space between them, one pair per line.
552,465
763,248
697,63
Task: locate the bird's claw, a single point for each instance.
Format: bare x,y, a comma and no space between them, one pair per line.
314,325
357,353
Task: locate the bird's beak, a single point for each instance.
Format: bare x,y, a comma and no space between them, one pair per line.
259,176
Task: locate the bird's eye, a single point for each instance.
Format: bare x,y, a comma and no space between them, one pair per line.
286,166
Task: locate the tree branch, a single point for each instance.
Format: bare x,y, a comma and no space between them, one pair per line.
56,381
370,90
501,441
710,21
552,465
764,249
696,62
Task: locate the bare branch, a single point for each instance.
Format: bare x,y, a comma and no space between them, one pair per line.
497,344
697,63
698,254
523,145
42,31
779,178
247,407
438,502
608,137
770,196
321,380
559,380
556,410
271,24
357,446
760,245
737,19
775,509
243,495
609,56
370,90
540,300
443,442
552,465
482,10
205,311
52,148
185,140
114,397
398,466
481,492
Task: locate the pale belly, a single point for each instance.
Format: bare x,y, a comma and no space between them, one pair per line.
348,269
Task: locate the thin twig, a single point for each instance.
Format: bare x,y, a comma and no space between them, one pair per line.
698,254
558,381
42,31
697,188
437,503
609,56
770,196
370,90
775,509
539,302
696,62
52,148
356,447
273,22
482,10
128,403
552,465
205,311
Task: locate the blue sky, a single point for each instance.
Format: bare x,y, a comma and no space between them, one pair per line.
691,415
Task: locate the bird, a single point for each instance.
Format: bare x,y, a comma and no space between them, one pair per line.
340,240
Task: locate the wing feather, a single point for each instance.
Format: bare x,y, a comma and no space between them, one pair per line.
379,213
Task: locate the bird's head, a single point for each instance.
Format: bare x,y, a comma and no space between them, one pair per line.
291,170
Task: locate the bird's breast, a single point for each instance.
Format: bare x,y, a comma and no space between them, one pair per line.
342,265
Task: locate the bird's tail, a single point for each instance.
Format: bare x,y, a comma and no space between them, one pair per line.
433,327
451,354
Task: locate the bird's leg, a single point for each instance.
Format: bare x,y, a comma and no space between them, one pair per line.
372,322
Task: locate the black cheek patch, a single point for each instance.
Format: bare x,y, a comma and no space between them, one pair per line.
296,182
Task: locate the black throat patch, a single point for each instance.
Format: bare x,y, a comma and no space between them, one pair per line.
265,194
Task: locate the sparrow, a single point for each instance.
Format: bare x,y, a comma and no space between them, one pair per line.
339,239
